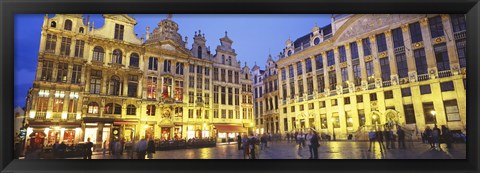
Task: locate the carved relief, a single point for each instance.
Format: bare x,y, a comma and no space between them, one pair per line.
370,22
383,54
343,64
418,45
368,58
331,68
439,40
394,79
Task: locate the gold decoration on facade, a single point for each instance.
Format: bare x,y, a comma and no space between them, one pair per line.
405,28
331,68
368,58
439,40
388,33
343,64
418,45
383,54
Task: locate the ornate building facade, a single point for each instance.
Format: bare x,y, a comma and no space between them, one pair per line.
265,87
365,71
107,83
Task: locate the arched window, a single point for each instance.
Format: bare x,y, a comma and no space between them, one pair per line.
68,25
223,59
151,110
199,52
131,110
134,60
115,85
98,54
53,24
111,108
117,56
93,108
81,30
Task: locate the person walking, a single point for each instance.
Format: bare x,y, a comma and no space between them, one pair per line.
239,142
295,137
288,137
132,149
61,150
263,141
401,138
55,149
111,147
380,140
447,138
309,140
104,147
372,138
88,149
150,148
315,144
252,141
387,138
246,147
428,135
122,142
118,149
142,148
436,137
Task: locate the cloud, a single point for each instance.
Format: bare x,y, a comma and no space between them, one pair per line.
24,76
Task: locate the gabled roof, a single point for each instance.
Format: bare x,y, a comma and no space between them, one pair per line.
121,17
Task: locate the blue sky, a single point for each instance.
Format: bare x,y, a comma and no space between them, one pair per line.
253,35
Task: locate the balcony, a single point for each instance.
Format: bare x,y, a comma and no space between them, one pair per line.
445,73
71,116
386,83
310,97
300,99
56,116
40,116
399,50
333,92
345,91
371,86
460,35
423,77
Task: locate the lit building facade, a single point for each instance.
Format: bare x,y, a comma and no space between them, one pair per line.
265,86
107,83
364,71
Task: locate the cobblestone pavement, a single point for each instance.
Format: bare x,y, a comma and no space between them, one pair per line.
327,150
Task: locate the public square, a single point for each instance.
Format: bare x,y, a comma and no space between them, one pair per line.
327,150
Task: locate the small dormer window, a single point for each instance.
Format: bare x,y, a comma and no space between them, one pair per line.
81,30
118,32
289,52
199,52
68,25
229,60
223,59
53,24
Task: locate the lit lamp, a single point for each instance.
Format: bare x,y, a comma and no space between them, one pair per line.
433,113
374,117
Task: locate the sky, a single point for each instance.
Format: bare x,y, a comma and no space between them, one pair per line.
254,36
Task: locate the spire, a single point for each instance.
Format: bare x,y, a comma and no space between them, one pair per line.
169,16
226,34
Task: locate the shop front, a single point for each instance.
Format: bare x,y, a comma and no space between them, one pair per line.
228,133
98,130
127,128
49,133
166,129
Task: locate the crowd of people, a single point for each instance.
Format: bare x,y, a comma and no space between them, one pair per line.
436,136
388,136
253,143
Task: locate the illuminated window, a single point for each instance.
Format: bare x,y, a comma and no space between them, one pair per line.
151,110
151,87
93,108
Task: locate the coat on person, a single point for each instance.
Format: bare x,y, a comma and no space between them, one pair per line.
150,148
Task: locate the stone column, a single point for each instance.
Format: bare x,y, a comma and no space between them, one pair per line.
338,73
104,83
54,71
376,60
427,43
391,54
363,71
38,75
304,78
58,43
69,73
348,53
314,76
43,42
325,71
447,27
407,40
72,46
140,86
125,86
295,82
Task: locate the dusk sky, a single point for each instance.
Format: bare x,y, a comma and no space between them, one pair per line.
253,35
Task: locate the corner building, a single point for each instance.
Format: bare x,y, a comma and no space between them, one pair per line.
107,83
364,71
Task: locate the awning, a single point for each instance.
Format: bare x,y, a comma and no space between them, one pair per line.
125,122
98,120
230,128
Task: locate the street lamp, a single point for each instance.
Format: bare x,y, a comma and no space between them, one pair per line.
433,113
